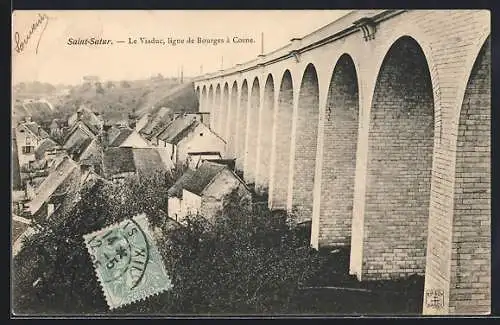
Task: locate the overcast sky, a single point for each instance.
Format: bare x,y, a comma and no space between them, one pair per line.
58,62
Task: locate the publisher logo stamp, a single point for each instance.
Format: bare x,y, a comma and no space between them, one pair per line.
126,261
434,298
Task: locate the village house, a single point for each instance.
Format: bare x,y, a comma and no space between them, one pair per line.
85,117
206,191
64,180
125,137
120,163
156,122
28,135
184,135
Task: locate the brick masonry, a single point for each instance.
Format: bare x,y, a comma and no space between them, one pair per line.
283,142
471,245
399,165
231,122
306,140
252,133
242,126
265,138
339,158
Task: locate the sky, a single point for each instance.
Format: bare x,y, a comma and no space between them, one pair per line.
47,57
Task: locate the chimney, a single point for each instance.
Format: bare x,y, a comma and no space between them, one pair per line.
27,119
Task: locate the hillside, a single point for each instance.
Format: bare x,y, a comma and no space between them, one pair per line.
114,100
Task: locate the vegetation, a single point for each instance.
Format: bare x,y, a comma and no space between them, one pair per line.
246,262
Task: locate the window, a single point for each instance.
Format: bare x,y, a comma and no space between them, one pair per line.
201,134
28,149
28,140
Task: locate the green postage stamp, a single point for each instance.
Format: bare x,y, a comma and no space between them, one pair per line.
127,263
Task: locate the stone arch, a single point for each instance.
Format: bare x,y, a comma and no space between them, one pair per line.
265,135
252,132
341,127
231,121
217,108
223,111
242,126
471,228
210,105
204,100
281,156
422,39
306,138
398,179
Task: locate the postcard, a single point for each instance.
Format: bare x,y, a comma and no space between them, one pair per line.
266,163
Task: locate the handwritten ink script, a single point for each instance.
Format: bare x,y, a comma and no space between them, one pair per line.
22,43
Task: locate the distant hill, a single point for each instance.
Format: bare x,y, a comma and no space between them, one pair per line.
114,100
181,98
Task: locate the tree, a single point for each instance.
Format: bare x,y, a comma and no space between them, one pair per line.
99,89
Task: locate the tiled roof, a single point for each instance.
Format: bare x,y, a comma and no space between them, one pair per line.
44,145
202,177
148,160
88,118
118,160
79,147
36,129
156,122
118,139
231,163
176,189
66,167
177,129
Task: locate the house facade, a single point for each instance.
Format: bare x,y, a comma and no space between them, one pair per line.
28,135
206,191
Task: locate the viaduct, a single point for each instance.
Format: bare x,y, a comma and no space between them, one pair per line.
376,128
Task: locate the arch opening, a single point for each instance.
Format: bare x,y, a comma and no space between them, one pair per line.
223,112
242,127
217,108
471,236
265,134
231,123
341,127
398,178
252,133
204,100
282,145
210,105
306,145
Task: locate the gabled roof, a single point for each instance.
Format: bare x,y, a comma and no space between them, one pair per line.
177,129
203,176
176,189
120,137
43,146
88,118
156,122
231,163
117,160
83,132
78,147
55,179
36,129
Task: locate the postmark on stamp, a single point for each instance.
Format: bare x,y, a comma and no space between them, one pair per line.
127,263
